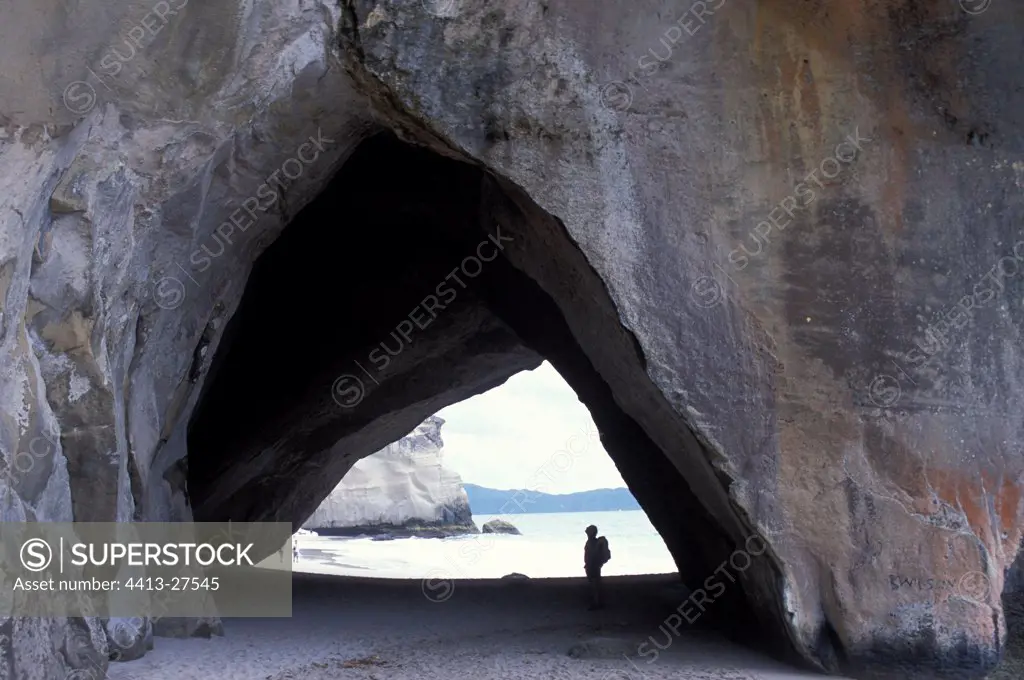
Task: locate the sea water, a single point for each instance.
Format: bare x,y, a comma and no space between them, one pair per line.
551,545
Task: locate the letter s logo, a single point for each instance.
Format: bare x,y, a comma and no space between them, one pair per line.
36,554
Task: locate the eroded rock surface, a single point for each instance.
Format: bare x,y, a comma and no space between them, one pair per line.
500,526
774,246
402,490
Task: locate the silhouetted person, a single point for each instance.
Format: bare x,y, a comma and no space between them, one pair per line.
595,554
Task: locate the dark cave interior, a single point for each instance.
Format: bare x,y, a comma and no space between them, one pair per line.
330,301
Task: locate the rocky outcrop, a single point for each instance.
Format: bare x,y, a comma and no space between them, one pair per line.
402,490
129,638
500,526
773,246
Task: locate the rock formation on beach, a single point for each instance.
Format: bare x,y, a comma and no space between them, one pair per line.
402,490
774,246
500,526
515,576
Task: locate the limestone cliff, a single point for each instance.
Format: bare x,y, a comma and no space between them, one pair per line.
773,246
402,490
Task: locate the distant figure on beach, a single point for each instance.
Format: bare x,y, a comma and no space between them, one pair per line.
595,555
295,551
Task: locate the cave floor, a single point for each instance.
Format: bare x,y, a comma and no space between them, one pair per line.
376,629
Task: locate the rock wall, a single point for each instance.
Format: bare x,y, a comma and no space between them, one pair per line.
105,315
825,295
804,218
402,490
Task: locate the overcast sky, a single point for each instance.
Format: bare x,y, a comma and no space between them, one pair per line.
530,433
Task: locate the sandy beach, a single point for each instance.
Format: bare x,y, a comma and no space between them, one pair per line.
373,629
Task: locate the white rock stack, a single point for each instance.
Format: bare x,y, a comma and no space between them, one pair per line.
402,490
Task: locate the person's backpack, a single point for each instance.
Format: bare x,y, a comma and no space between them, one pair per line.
604,551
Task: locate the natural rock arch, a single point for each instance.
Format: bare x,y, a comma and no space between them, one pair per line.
801,360
404,233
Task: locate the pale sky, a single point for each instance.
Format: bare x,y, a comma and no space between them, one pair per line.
530,433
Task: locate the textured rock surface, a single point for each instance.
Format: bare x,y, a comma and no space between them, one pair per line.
402,490
830,362
128,639
782,362
500,526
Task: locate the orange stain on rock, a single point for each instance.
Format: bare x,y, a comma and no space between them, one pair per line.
849,43
979,495
1008,506
833,28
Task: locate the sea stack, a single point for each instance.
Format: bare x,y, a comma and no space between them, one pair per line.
402,490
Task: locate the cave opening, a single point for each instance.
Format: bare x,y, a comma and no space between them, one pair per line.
507,481
415,281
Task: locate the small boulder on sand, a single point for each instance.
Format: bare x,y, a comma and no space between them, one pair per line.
515,576
500,526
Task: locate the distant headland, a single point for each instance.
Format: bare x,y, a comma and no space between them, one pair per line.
485,501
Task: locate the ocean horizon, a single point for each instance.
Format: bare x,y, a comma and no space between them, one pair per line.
551,546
